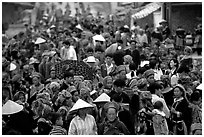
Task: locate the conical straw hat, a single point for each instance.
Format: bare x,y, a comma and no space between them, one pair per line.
80,104
79,27
40,40
11,107
12,67
102,98
199,87
99,38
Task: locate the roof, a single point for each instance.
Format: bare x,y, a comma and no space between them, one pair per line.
24,4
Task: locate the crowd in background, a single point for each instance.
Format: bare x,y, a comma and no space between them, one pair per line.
144,81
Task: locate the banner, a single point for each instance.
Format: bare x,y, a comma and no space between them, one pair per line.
148,9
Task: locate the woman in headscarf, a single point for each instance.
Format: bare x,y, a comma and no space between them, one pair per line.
186,61
36,88
180,112
112,125
127,61
108,84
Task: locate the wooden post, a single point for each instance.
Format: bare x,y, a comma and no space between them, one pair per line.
169,16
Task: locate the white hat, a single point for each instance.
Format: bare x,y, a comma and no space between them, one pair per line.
162,21
126,26
144,63
53,26
99,38
91,59
80,104
45,14
33,60
102,98
40,40
52,53
93,92
12,67
199,87
11,107
79,27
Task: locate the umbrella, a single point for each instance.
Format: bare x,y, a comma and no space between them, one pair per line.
80,69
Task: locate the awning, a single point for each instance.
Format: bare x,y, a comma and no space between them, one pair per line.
146,10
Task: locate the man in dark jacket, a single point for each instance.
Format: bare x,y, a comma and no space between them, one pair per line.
134,52
119,84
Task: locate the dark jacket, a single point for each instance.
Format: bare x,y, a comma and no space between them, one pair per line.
104,70
119,96
182,107
21,122
113,128
135,56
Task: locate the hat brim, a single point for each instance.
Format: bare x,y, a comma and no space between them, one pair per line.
79,105
11,108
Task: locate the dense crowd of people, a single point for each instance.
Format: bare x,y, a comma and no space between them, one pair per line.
144,81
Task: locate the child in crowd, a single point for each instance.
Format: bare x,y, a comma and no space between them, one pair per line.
57,127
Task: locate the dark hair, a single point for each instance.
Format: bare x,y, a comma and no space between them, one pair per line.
99,48
195,96
152,87
153,55
133,41
119,83
68,74
158,105
141,71
100,85
175,61
120,41
132,66
116,98
181,89
55,116
66,42
152,64
109,55
89,49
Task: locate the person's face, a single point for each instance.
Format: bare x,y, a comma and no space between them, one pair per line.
22,98
90,54
52,74
108,60
84,94
61,98
68,101
36,80
83,111
46,58
133,45
150,79
122,75
118,89
59,122
98,54
109,83
111,114
158,91
172,64
75,96
177,93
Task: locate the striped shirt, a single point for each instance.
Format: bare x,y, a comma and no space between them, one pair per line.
58,130
79,126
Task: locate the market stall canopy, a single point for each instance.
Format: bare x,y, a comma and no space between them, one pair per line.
146,10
